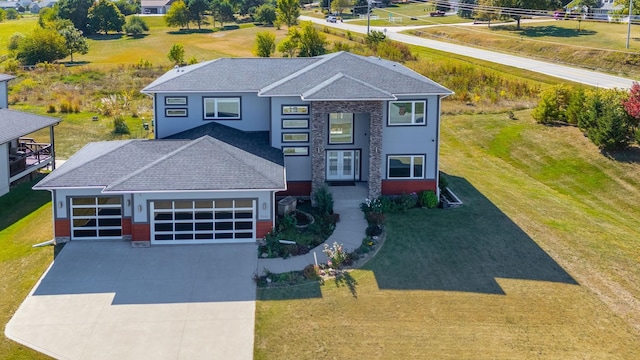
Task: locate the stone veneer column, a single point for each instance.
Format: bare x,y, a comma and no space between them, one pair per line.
319,136
375,150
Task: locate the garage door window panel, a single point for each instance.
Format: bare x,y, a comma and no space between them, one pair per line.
96,218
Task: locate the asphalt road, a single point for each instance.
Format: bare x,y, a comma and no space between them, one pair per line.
587,77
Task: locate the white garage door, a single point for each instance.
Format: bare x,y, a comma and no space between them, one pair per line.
203,221
96,218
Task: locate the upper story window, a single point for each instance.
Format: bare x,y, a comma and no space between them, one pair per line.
405,167
340,128
407,112
225,108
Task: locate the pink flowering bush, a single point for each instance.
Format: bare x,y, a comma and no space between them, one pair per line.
336,255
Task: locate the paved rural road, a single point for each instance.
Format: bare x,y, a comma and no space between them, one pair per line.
560,71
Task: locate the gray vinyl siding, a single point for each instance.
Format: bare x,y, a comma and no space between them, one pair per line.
413,140
254,113
298,167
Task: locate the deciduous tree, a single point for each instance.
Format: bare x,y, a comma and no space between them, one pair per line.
265,14
312,42
176,54
104,16
288,11
338,6
74,41
75,10
265,44
223,11
197,11
42,45
178,15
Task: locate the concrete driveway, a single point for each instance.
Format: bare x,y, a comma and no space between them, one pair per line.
107,300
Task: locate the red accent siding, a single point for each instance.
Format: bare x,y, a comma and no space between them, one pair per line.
140,232
62,227
263,228
397,187
126,226
296,188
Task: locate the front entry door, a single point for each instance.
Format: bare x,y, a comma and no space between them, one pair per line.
342,165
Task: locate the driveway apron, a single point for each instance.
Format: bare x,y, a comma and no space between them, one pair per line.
107,300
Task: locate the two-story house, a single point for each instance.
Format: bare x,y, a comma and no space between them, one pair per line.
234,133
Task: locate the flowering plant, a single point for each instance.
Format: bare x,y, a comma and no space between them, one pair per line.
336,255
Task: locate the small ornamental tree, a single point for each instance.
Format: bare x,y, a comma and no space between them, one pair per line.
312,42
135,26
74,41
176,54
265,44
632,104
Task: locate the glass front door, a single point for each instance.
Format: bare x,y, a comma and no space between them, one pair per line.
342,165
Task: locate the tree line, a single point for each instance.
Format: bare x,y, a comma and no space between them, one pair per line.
608,117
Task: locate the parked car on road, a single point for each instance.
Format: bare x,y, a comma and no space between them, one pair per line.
332,19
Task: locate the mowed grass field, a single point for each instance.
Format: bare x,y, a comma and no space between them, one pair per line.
540,262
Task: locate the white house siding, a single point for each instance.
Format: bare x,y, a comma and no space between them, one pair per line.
254,113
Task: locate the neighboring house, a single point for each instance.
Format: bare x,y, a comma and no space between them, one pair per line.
21,156
155,6
235,133
9,5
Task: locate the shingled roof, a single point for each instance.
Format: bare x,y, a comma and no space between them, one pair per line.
310,78
14,124
203,164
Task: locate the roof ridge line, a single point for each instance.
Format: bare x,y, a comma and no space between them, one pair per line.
340,75
321,60
153,163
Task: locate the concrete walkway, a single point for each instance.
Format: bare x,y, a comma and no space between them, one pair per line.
349,231
107,300
578,75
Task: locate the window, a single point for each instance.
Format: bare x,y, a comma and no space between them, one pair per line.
177,100
295,137
175,112
222,108
295,109
295,150
405,166
407,112
340,128
295,123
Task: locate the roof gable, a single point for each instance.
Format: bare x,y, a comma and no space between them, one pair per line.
298,76
341,87
204,164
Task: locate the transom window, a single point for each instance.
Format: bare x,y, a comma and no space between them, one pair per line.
405,167
340,128
227,108
407,112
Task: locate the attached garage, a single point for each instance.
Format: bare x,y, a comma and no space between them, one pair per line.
203,221
94,218
171,192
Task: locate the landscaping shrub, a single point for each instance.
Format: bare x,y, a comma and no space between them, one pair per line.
374,218
51,109
310,272
336,255
443,182
287,222
407,201
373,230
120,127
324,200
428,199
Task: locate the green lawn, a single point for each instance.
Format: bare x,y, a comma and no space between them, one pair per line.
540,261
25,220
